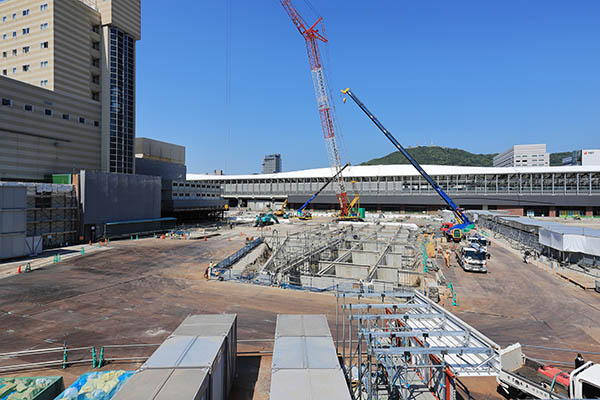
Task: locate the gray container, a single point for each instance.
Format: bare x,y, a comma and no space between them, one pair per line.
301,325
309,384
166,384
305,363
209,325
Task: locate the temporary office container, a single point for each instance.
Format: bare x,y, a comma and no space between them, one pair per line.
301,325
167,384
305,365
184,352
214,325
309,384
304,352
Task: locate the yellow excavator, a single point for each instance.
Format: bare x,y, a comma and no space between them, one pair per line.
281,212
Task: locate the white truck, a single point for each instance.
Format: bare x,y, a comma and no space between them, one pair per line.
471,259
520,376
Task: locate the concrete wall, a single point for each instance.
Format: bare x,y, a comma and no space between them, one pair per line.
110,197
13,221
166,170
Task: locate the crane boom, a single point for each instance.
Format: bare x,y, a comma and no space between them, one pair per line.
461,216
312,36
322,188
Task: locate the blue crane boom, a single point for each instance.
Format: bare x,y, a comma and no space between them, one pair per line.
322,188
461,216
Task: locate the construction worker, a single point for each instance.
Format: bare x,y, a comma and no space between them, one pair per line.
579,361
447,257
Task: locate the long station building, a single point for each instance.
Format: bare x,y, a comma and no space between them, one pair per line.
548,191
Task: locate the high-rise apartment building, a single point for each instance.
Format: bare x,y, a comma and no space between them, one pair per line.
271,164
523,155
67,86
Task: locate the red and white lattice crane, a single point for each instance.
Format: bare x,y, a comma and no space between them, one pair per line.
312,37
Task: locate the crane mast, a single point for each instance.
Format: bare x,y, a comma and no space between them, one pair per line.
312,36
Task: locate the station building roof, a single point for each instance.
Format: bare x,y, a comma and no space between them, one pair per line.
401,170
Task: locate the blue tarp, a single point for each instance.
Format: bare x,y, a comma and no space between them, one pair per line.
73,391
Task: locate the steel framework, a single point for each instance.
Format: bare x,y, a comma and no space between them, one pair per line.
404,346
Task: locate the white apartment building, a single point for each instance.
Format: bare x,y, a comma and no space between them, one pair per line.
523,155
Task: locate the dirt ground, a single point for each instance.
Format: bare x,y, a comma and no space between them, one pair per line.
139,291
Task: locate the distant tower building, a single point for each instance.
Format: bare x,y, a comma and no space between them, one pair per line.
523,155
271,164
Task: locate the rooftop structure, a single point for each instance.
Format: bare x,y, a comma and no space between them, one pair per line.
523,155
68,84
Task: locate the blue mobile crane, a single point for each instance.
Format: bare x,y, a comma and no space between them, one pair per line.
305,216
464,223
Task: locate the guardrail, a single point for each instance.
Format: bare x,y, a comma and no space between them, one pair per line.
235,257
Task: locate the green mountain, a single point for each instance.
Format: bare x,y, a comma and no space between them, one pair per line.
435,155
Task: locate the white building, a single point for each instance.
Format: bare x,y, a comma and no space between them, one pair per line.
583,157
523,155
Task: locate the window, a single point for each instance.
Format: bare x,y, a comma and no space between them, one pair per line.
25,49
14,52
26,12
44,83
96,28
96,62
14,34
96,123
48,111
44,7
4,36
14,16
4,19
81,120
25,31
96,79
96,96
43,64
5,72
44,45
3,54
44,26
14,70
96,45
7,102
66,117
25,67
28,107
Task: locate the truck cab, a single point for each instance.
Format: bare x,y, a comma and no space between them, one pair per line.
471,259
585,382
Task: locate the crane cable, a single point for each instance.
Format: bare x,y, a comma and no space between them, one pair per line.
227,81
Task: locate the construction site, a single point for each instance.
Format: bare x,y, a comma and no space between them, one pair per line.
131,279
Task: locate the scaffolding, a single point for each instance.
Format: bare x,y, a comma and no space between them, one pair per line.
401,345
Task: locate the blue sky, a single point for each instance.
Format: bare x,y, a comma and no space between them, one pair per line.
478,75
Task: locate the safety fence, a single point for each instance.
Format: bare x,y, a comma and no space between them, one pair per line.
96,356
235,257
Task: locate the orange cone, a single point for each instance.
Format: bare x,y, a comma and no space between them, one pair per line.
205,238
19,271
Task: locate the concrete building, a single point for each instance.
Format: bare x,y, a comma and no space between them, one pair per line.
67,84
583,157
550,191
179,197
271,164
523,155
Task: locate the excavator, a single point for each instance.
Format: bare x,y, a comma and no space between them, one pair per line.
455,232
264,219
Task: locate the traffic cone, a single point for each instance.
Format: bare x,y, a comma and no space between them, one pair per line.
19,270
205,238
90,243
